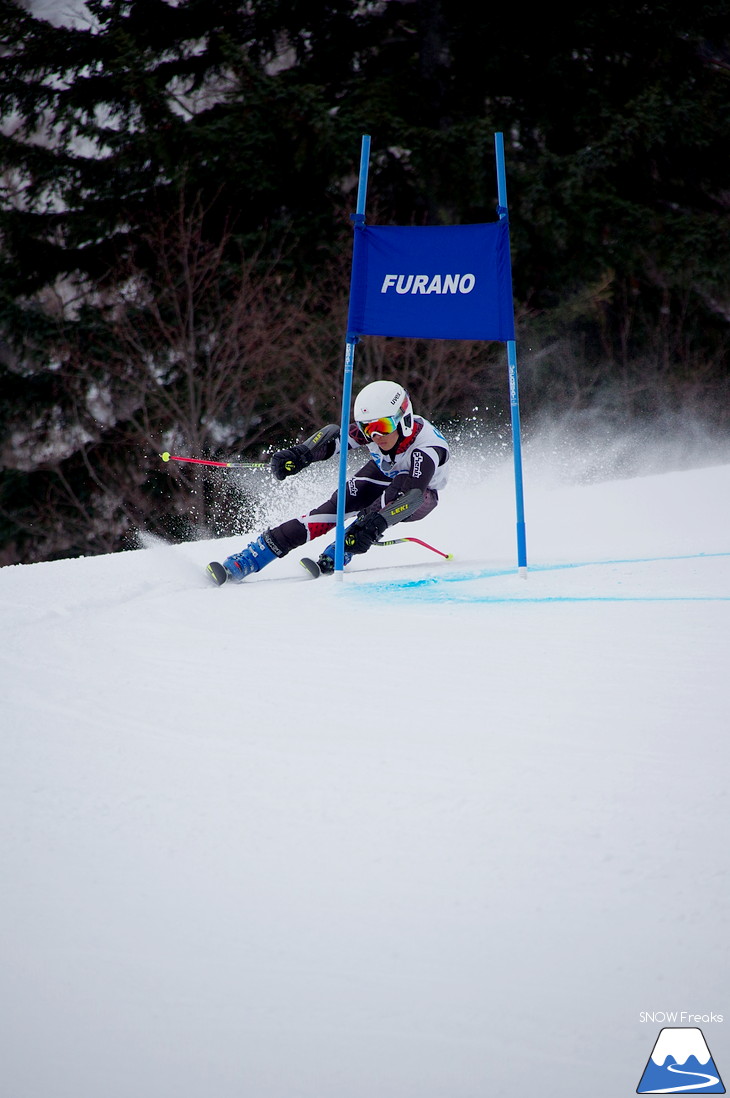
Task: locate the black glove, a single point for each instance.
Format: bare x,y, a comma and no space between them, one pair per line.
364,532
285,463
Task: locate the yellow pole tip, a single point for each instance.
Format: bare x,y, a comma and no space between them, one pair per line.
165,456
449,556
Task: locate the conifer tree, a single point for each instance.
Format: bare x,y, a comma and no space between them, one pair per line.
109,129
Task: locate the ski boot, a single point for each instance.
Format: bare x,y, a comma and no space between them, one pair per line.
325,564
239,565
326,560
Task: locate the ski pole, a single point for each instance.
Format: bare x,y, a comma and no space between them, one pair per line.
397,541
223,464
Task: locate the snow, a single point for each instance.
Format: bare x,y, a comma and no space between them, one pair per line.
69,13
432,830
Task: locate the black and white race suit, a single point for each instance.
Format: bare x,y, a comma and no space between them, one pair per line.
419,461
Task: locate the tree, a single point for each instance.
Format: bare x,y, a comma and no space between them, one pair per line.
105,126
191,352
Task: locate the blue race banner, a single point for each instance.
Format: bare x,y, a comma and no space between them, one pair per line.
435,282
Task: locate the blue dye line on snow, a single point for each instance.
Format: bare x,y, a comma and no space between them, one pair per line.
575,598
431,588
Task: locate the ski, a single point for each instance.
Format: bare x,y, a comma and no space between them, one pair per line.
311,567
217,573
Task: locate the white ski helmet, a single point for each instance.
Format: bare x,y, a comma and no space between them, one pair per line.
382,407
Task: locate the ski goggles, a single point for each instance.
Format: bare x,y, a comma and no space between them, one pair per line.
384,426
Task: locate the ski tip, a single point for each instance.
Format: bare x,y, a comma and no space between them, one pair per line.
311,567
217,573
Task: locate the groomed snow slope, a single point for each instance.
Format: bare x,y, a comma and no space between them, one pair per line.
433,831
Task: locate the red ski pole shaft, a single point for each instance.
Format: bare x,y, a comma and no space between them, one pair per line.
221,464
397,541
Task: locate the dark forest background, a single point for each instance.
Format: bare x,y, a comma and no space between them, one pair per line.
176,185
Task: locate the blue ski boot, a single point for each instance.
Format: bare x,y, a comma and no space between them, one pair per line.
251,559
326,560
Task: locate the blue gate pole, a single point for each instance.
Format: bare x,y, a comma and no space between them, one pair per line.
514,398
359,219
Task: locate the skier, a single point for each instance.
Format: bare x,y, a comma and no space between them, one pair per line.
408,463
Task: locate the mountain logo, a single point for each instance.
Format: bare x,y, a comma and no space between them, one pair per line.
680,1063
